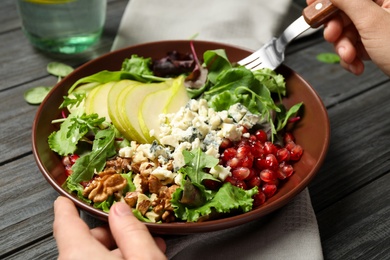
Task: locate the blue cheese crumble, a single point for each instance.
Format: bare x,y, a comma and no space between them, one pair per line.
195,125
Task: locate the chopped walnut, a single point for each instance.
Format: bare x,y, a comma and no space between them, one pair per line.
104,186
146,168
131,198
162,204
119,164
154,184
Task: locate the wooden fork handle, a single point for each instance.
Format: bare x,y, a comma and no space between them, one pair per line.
317,13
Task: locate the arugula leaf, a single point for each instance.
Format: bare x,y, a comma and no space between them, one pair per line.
283,117
216,62
72,130
195,163
76,101
88,164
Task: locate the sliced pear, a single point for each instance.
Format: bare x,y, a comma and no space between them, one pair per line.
179,98
132,104
115,98
97,101
168,100
86,88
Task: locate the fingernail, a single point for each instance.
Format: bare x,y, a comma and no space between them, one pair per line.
121,209
341,51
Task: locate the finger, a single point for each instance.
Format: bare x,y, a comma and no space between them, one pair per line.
356,67
131,235
345,45
65,216
333,29
161,244
103,235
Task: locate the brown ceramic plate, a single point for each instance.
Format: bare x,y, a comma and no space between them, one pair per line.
312,132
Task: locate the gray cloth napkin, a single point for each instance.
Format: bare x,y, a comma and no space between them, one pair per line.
289,233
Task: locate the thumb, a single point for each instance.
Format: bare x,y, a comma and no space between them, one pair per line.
132,236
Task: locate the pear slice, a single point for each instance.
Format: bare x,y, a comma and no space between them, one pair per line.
86,89
114,98
97,101
168,100
131,105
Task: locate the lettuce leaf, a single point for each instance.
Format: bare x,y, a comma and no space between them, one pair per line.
192,200
225,200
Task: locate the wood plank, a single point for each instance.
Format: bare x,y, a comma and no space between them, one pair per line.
16,123
332,83
358,226
42,249
359,149
9,19
27,204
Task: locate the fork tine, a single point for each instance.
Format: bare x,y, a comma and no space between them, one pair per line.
251,58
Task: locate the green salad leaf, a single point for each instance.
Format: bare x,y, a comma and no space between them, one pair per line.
135,68
36,95
72,130
88,164
328,57
225,200
192,200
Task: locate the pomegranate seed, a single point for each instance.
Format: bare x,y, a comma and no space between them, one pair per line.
261,135
233,163
253,182
73,158
228,154
267,175
288,137
285,170
257,149
232,180
271,162
270,148
68,170
243,151
241,173
226,143
247,161
296,153
260,163
289,146
269,189
259,199
283,155
66,161
243,142
241,184
211,184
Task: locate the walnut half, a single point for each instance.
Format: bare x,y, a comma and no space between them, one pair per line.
102,187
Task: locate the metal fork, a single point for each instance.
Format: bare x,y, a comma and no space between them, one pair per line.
271,55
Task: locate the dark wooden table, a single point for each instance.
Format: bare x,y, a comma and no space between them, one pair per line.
350,194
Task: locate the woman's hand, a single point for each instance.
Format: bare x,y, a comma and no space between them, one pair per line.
128,238
361,32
